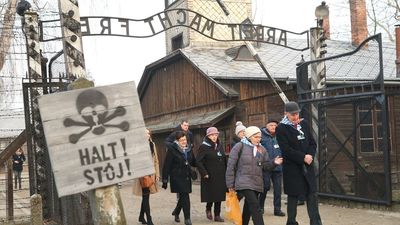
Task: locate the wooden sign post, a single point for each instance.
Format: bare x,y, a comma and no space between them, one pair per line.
96,137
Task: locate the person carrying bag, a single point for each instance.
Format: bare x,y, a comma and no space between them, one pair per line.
232,208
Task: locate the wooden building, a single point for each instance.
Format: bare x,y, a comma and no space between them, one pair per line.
216,84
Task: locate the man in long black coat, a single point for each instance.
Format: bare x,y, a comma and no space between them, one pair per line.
298,150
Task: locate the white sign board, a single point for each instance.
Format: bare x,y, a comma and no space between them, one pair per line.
95,136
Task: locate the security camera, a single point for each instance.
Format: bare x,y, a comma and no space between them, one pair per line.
22,7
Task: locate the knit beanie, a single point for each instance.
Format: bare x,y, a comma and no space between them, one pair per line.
252,130
239,127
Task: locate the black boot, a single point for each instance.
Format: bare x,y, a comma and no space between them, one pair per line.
149,220
175,213
142,220
141,215
188,222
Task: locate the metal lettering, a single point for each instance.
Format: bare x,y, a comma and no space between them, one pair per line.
201,24
271,35
104,27
209,25
85,24
232,26
163,20
125,24
282,38
148,20
183,21
196,21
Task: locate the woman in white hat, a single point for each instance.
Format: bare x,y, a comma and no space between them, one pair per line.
239,132
211,163
244,173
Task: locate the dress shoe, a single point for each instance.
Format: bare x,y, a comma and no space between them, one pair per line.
176,218
149,221
218,219
279,213
142,220
209,215
188,222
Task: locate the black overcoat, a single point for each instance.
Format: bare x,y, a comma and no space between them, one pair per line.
177,168
20,159
211,161
298,177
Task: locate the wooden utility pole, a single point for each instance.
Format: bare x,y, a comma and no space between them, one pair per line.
105,203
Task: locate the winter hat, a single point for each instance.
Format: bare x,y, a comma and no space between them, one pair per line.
272,121
252,130
239,127
292,107
211,130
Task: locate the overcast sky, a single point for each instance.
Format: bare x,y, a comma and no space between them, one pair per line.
115,59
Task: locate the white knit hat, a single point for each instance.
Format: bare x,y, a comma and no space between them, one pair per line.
252,130
239,127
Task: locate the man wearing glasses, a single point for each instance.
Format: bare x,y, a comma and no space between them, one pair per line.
298,150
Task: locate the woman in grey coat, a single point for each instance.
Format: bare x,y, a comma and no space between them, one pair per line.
244,173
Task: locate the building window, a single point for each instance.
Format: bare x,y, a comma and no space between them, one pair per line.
370,130
177,42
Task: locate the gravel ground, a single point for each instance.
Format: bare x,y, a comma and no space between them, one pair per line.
163,203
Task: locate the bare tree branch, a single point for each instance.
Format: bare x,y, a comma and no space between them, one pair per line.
373,18
6,35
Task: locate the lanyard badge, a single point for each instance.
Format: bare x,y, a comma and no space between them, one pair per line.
301,136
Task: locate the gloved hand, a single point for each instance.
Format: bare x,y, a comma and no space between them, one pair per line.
164,185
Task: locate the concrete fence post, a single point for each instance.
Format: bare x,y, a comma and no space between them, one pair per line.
36,210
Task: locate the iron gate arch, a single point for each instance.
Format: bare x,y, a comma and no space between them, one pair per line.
348,120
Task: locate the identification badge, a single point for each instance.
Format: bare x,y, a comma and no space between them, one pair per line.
186,163
259,163
276,146
219,154
300,137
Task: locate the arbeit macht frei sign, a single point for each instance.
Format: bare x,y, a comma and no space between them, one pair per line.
96,137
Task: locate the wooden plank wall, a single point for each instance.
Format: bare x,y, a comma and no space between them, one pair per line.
177,86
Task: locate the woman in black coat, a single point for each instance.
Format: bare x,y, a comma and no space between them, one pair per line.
18,161
211,163
177,168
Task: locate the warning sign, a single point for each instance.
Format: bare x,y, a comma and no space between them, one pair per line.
96,137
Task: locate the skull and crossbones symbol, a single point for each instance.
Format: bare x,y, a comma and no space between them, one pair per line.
92,105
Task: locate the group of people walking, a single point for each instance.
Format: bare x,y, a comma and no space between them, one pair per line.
283,149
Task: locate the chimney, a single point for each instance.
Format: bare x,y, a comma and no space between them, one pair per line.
358,14
397,31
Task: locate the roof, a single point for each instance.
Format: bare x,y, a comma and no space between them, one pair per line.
196,121
11,124
219,63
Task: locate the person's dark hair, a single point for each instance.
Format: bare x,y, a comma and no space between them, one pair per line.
179,134
184,121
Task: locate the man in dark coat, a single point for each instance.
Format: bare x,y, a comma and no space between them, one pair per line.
298,151
183,126
270,143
